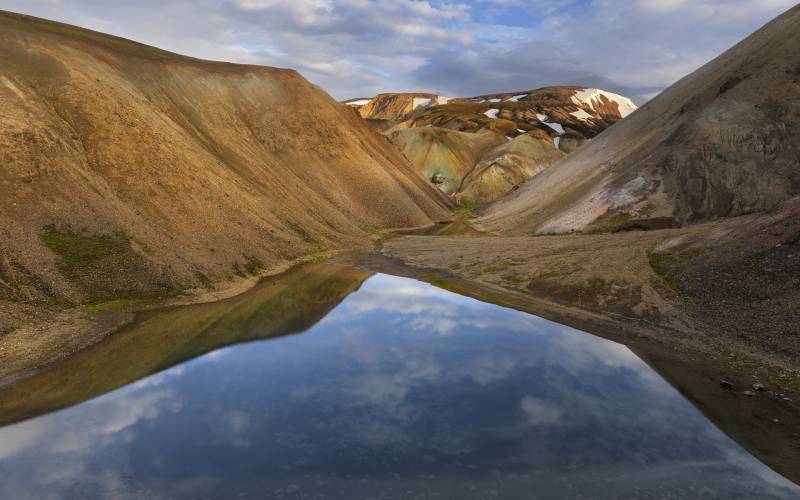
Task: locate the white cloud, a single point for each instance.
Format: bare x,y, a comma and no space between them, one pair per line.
540,412
362,47
663,5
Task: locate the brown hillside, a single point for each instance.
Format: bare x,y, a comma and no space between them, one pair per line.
131,172
722,142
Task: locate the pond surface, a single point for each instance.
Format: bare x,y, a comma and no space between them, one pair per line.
401,391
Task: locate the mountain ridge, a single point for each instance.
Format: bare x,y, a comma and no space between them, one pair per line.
541,125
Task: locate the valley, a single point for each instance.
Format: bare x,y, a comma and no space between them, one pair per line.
160,210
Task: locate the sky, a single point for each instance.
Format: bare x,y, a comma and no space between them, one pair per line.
358,48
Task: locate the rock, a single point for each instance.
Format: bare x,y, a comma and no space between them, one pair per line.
726,385
749,393
776,421
759,387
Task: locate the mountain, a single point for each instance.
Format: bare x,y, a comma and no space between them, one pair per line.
721,142
384,110
568,115
129,171
460,143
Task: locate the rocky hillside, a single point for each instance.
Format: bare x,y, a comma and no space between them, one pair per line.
474,168
540,126
131,172
384,110
722,142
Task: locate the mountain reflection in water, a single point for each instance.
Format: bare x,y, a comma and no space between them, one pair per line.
397,390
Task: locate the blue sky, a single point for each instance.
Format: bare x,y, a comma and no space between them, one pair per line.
356,48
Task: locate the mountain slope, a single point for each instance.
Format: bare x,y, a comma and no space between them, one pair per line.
444,156
129,171
724,141
434,133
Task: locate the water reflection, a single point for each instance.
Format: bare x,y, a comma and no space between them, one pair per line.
402,391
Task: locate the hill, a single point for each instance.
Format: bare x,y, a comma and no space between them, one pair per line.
721,142
130,172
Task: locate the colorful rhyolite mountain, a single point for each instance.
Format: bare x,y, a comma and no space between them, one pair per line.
477,149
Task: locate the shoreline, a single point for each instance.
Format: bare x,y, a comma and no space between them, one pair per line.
689,363
64,333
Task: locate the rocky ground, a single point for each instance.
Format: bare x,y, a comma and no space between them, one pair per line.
729,286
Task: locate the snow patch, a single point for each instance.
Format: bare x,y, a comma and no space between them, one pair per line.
592,98
556,126
516,98
509,138
492,113
420,101
495,100
440,99
360,102
630,193
520,131
581,115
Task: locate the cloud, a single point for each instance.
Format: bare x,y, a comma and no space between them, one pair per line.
540,412
362,47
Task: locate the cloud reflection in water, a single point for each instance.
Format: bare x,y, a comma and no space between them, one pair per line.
402,388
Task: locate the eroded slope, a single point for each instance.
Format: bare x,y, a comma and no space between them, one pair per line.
133,172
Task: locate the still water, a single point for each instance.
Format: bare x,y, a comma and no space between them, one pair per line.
401,391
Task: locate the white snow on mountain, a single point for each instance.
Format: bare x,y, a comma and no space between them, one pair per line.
359,102
555,126
420,101
592,98
581,115
492,113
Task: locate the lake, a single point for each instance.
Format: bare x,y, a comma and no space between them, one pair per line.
341,384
